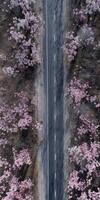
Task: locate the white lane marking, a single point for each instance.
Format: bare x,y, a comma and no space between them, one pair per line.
47,97
55,138
54,56
55,176
54,37
54,17
54,103
55,194
55,117
55,156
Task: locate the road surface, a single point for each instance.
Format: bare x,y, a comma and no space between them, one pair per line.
53,89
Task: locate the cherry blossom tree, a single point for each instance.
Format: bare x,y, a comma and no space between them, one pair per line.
84,152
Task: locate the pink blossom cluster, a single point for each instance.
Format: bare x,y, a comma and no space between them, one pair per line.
87,126
90,196
24,4
80,181
80,15
71,46
10,186
15,113
5,173
9,71
87,35
84,155
19,190
25,122
3,142
72,43
93,99
78,91
11,115
21,158
92,6
83,196
94,195
4,179
25,33
16,116
3,162
74,181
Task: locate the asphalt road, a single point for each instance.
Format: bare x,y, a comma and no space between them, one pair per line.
53,89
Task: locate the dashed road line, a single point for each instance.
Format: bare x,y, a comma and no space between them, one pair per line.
54,16
55,194
54,37
55,138
54,56
55,156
